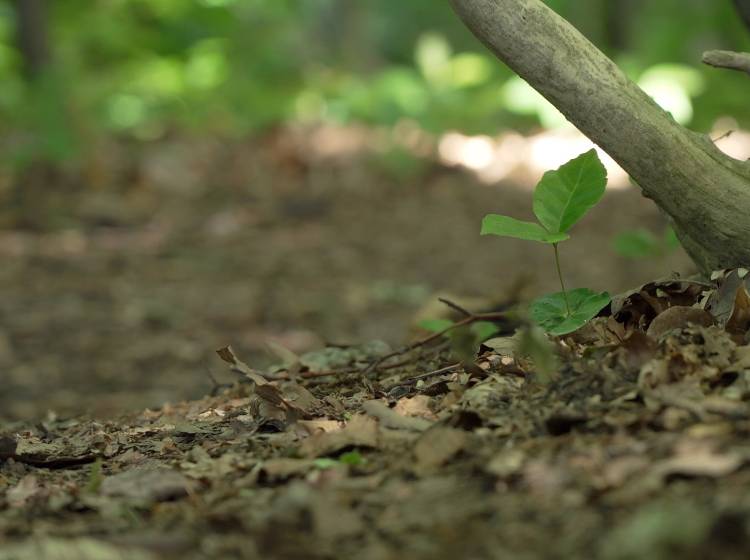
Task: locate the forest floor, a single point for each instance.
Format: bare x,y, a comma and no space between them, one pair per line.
637,448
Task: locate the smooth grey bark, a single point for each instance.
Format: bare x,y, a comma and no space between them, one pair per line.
728,59
705,192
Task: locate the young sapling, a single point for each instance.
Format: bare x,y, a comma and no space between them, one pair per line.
561,198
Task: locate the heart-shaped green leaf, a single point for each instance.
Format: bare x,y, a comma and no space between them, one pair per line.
564,195
495,224
551,313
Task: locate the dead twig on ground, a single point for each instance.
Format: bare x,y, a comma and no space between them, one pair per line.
467,320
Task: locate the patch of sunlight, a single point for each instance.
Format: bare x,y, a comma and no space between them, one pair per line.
432,55
520,98
207,66
126,110
731,139
404,88
217,3
470,69
552,148
309,106
525,159
672,86
160,76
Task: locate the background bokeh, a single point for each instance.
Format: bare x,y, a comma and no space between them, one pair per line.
180,174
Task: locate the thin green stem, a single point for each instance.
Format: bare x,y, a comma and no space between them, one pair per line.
559,275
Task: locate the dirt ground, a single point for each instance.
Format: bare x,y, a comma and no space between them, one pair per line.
119,284
636,449
125,434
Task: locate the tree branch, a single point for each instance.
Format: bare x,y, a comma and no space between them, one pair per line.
728,59
704,191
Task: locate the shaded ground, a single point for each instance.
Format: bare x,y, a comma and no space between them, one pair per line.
637,449
161,255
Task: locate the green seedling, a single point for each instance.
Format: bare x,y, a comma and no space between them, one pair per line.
351,458
95,477
561,198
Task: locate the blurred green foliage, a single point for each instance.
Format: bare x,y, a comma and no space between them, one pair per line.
144,67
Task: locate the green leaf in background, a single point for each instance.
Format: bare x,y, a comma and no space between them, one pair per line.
495,224
564,195
550,311
636,244
464,344
484,330
671,241
352,458
435,325
641,243
533,343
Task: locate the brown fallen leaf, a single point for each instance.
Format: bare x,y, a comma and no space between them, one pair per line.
392,419
360,431
638,307
729,302
25,490
677,317
146,484
227,354
418,406
701,461
437,446
282,468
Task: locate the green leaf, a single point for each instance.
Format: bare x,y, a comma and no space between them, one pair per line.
352,458
564,195
534,344
325,463
637,244
495,224
671,241
464,344
484,330
435,325
550,312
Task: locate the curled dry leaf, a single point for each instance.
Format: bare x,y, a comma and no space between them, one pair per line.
677,317
238,366
360,431
392,419
637,308
437,446
146,484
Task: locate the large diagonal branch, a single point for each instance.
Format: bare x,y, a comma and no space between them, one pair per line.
706,193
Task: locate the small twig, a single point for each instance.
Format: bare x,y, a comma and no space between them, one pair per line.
727,134
728,59
215,385
472,318
455,307
420,377
343,371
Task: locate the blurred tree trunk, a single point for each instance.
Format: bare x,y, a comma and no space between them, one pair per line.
743,8
32,36
343,28
705,192
617,22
